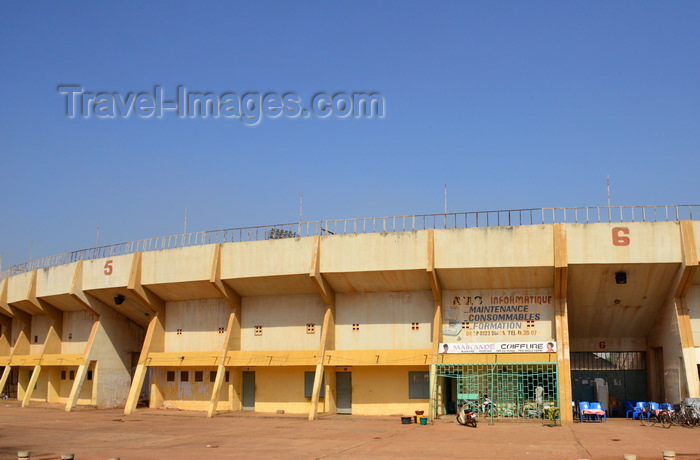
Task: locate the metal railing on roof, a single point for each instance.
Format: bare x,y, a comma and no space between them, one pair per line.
504,218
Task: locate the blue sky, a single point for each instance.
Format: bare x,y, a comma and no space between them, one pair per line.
511,104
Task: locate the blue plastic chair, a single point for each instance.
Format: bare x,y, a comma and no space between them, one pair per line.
638,410
652,407
628,407
599,406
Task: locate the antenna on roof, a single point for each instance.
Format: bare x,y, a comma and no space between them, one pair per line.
301,205
445,198
609,210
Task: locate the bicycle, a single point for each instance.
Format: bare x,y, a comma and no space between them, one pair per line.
652,417
687,415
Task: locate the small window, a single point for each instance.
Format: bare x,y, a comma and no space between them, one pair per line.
212,376
465,324
170,376
198,376
415,326
71,375
310,328
309,385
179,332
226,376
70,336
221,330
418,385
63,375
530,324
258,330
184,376
355,327
36,339
89,375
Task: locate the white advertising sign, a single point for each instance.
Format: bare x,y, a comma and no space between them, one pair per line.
499,347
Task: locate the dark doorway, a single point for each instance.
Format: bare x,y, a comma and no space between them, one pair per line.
249,390
344,390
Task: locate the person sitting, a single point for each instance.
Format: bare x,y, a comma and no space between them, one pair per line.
487,405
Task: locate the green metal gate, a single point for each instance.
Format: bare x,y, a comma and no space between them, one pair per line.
517,391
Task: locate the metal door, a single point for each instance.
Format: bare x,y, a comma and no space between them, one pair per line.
624,372
249,390
343,385
517,391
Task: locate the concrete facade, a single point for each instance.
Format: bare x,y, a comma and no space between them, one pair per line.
342,323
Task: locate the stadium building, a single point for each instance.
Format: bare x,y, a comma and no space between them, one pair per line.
531,308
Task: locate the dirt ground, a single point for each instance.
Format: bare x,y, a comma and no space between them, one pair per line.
48,432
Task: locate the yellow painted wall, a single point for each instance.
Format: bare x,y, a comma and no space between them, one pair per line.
55,280
666,335
40,328
18,287
275,257
16,325
199,321
373,252
656,242
189,395
527,246
180,264
40,392
116,341
281,388
66,384
76,331
5,339
284,320
693,303
384,391
385,320
605,344
375,357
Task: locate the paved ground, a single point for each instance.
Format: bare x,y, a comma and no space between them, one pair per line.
173,435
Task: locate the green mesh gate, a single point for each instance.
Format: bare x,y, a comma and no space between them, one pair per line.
518,391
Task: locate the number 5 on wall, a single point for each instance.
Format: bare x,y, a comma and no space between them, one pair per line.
108,267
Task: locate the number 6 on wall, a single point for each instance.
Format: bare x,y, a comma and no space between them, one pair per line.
108,267
618,239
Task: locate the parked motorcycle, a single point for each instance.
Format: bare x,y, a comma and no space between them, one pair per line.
465,414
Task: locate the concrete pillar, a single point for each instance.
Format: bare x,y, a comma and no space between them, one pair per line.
30,386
